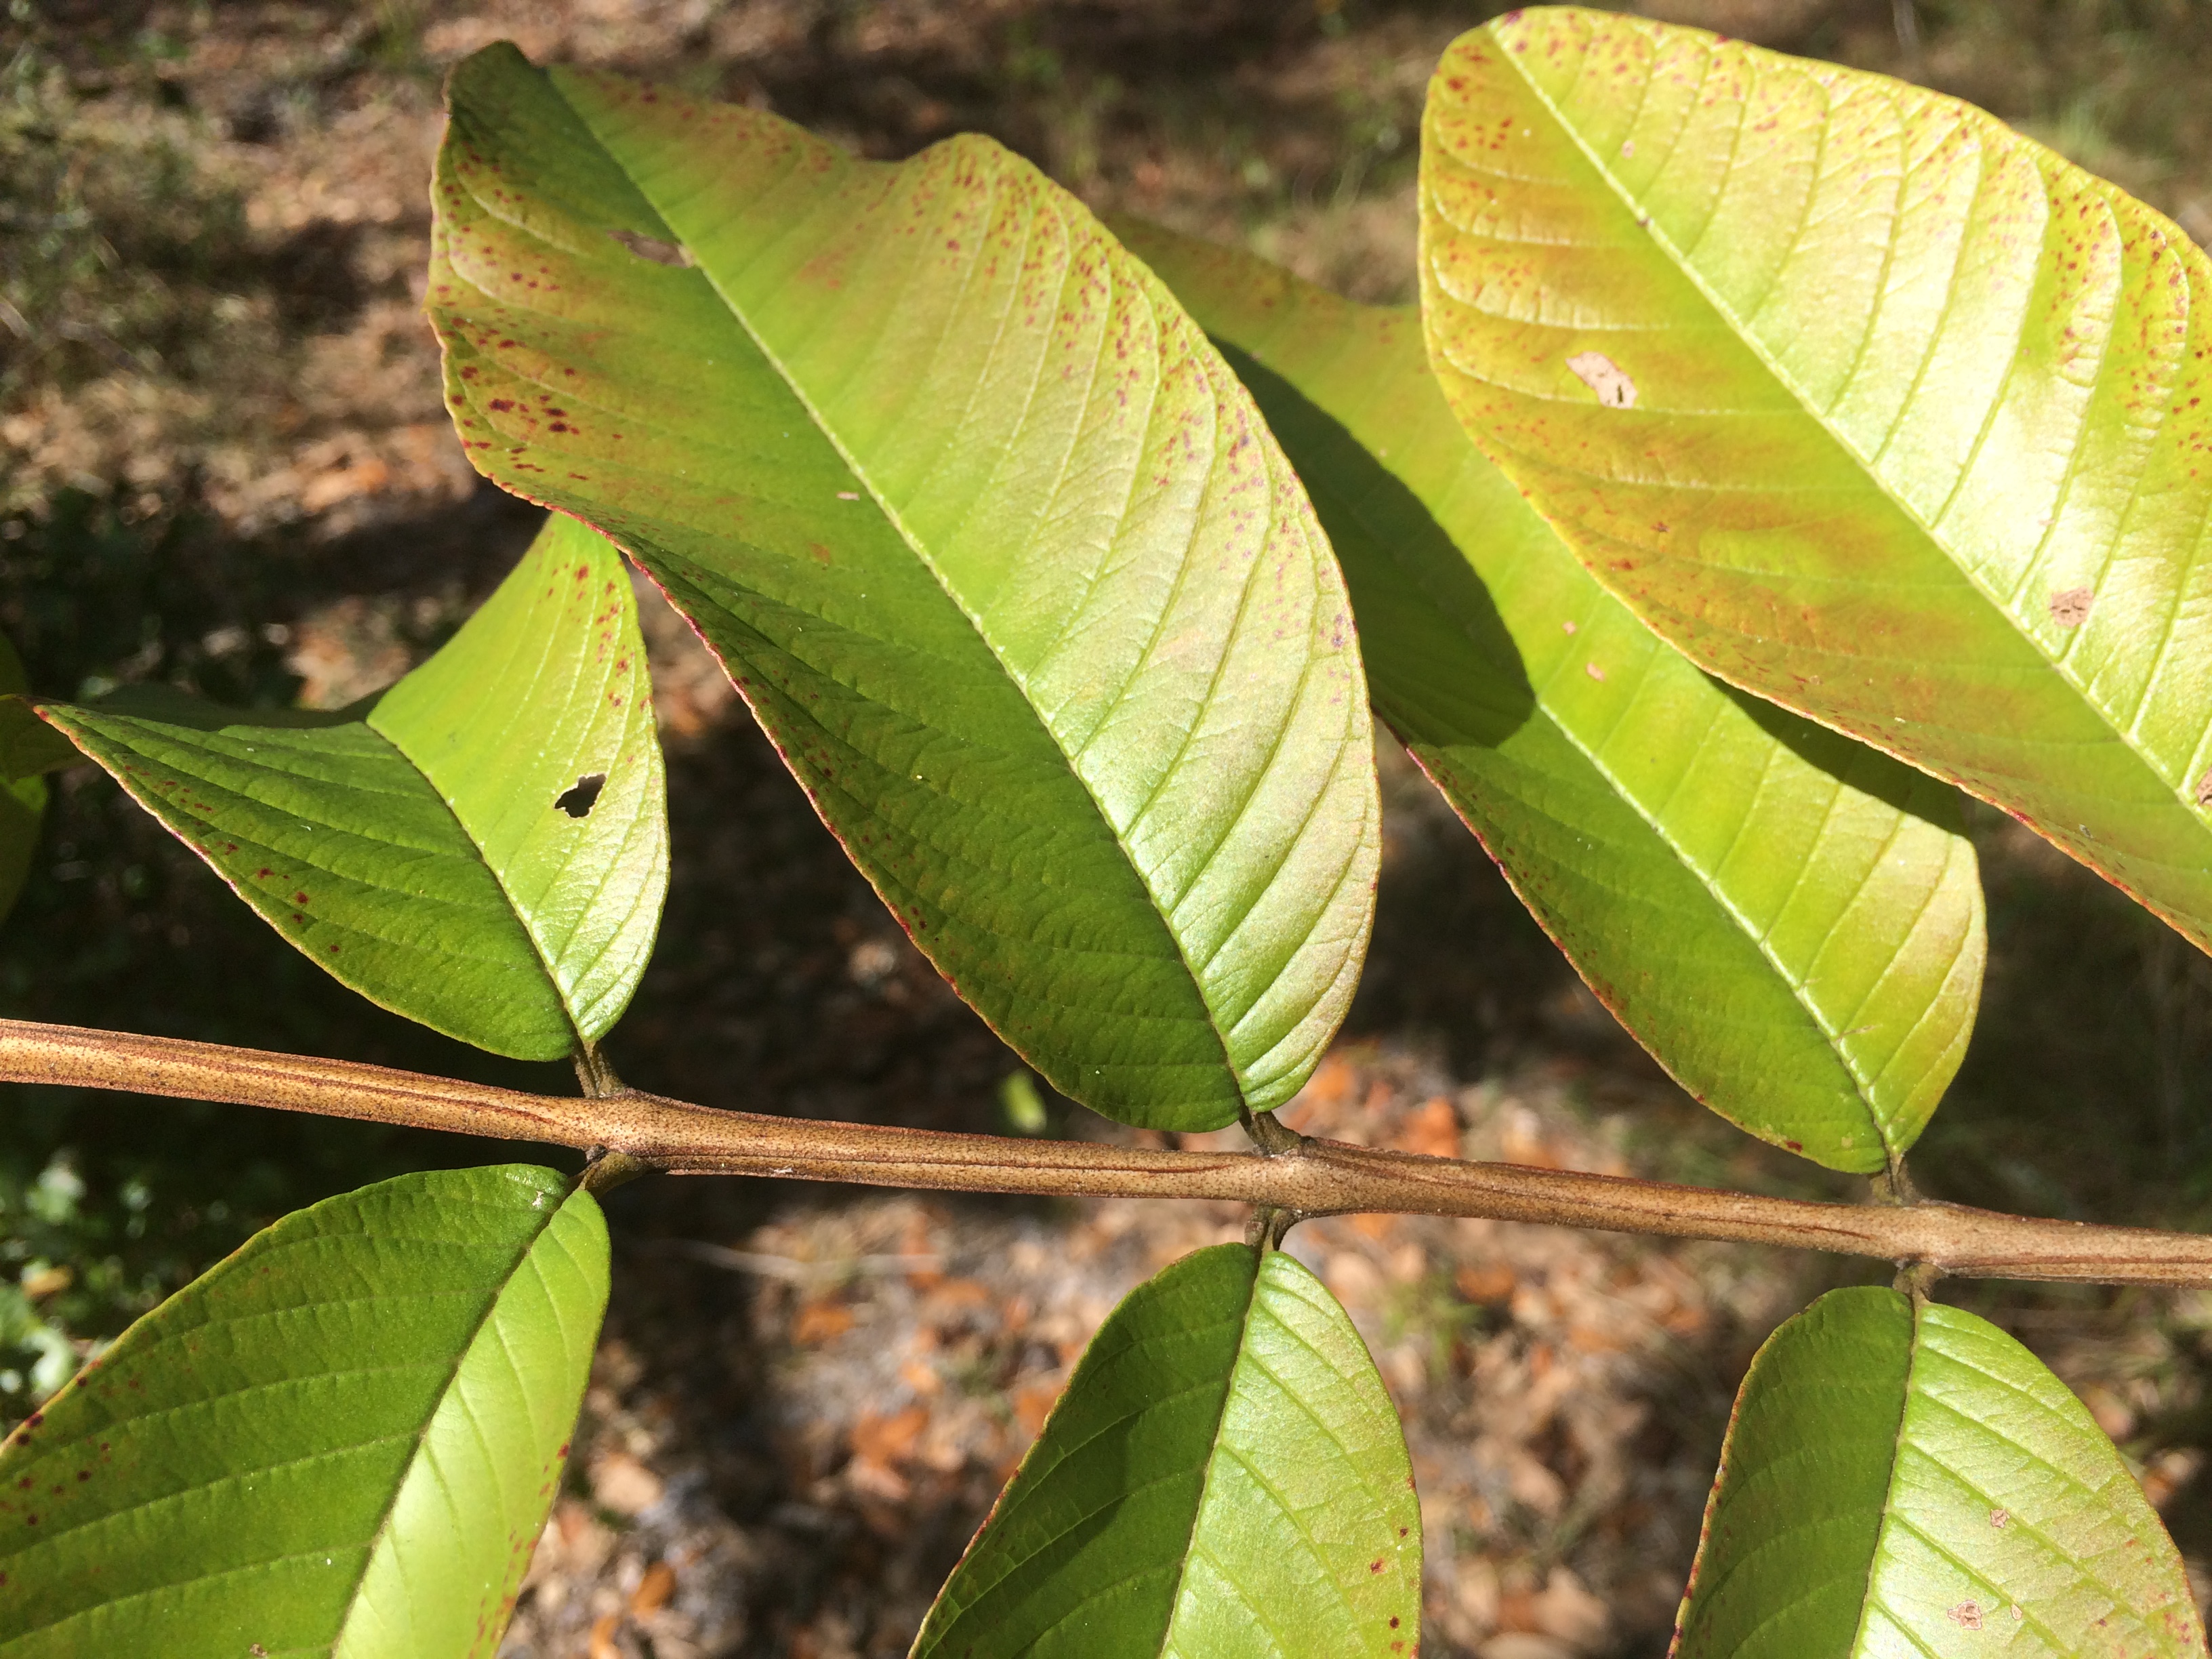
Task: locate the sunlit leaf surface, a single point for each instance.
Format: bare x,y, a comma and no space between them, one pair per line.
1224,1477
1861,399
483,847
1790,922
342,1440
990,538
1907,1479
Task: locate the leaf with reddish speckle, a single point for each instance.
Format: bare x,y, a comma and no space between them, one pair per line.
1920,437
1224,1478
1790,922
426,846
989,536
28,748
342,1440
1901,1478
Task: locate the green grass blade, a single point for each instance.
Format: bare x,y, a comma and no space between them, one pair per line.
987,535
1864,401
343,1439
1903,1480
1791,923
1224,1477
428,852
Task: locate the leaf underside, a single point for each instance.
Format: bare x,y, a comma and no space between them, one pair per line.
987,534
1867,403
342,1440
1791,923
1909,1479
1225,1476
418,849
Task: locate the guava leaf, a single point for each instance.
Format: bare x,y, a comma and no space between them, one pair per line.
1225,1476
27,749
990,538
483,848
342,1440
1906,1478
1790,922
1864,401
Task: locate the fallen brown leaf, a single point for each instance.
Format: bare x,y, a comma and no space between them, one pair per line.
817,1322
652,1590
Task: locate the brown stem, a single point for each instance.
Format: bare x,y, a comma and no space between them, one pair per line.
1311,1177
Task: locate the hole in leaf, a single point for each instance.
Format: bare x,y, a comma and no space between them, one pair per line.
578,800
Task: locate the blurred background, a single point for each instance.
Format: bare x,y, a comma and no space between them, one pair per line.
226,466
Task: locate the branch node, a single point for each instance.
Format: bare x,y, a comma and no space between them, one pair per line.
605,1169
596,1073
1917,1279
1271,1137
1894,1186
1265,1231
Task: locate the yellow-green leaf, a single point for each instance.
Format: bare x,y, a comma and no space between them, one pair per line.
1224,1479
483,848
1790,922
342,1440
1904,1479
1864,400
989,536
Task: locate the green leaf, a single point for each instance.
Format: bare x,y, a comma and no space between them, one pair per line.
1867,403
1791,923
483,848
1223,1476
989,536
27,749
1906,1478
342,1440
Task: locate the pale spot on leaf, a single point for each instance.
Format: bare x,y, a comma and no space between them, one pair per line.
653,248
1605,377
1967,1614
2070,607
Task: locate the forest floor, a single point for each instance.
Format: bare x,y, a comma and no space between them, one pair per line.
226,466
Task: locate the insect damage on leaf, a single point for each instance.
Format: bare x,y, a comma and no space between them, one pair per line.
653,248
2070,607
1605,377
578,799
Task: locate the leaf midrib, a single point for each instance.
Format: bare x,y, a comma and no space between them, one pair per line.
553,1205
1868,1598
537,949
1212,1454
1866,470
860,475
1218,1454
